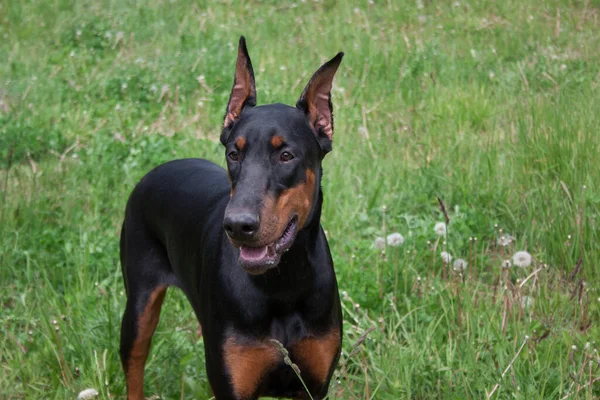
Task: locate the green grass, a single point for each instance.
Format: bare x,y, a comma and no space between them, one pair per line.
492,106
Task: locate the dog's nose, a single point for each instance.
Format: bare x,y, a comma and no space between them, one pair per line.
241,226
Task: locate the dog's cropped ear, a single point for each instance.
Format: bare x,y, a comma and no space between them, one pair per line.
243,92
315,101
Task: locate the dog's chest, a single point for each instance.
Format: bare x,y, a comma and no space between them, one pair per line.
271,367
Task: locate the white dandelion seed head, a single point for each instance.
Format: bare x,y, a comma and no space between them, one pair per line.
440,229
88,394
522,259
505,239
446,257
459,265
574,348
395,239
526,302
379,243
506,264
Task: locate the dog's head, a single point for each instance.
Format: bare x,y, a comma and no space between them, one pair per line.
274,155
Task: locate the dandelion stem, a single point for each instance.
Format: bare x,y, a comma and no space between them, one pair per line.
396,274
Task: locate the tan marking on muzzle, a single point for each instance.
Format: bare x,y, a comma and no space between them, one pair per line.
277,213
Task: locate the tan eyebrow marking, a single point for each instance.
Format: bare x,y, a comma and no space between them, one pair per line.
277,141
240,143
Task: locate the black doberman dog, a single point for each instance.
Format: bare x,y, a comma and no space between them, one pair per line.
245,245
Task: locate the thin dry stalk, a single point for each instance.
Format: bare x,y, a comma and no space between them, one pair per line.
523,77
505,315
379,261
443,208
580,222
384,230
458,307
353,351
62,362
489,396
366,372
576,270
557,25
355,347
534,273
470,257
19,345
182,386
581,388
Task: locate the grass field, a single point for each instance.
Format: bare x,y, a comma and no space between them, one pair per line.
492,106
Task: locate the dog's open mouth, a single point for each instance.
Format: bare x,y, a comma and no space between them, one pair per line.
257,260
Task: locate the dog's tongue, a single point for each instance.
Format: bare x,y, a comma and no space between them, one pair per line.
253,254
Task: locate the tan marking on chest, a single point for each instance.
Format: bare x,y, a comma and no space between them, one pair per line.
316,355
248,364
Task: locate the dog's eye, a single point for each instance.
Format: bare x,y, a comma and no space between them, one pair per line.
286,156
234,155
